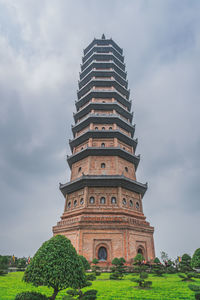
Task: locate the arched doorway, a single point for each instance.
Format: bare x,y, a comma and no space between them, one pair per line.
102,254
140,251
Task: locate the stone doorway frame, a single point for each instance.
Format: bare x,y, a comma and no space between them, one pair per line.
106,243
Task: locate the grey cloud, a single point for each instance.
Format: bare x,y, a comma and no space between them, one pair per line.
40,54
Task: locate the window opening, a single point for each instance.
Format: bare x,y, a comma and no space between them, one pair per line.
124,201
103,200
113,200
92,200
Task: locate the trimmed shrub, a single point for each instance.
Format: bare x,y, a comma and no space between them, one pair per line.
90,277
188,276
142,283
185,264
196,289
118,268
95,268
195,262
30,296
3,265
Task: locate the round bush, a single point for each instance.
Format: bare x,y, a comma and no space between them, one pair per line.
30,296
196,259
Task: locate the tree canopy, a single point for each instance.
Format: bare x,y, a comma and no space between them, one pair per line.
56,264
195,262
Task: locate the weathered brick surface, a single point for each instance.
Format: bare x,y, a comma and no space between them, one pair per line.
120,228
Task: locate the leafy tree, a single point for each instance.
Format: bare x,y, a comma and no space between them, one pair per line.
57,265
4,261
142,283
195,262
195,288
164,257
85,263
185,264
95,268
118,269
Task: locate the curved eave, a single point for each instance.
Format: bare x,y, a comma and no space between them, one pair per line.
101,119
103,106
111,151
100,42
103,94
104,73
101,65
103,49
108,83
103,181
103,134
103,57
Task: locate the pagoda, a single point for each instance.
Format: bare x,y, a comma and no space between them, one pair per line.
103,215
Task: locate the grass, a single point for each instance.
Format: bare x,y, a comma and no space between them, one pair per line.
163,288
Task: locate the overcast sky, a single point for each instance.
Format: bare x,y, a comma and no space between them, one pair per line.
41,46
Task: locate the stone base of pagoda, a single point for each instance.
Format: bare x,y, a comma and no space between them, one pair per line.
108,237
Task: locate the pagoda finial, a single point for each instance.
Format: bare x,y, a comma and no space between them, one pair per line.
103,37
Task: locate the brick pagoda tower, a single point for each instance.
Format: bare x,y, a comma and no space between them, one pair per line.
103,215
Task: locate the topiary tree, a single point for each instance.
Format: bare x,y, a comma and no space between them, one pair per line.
170,267
95,268
85,263
138,263
142,283
188,276
118,269
158,268
4,261
195,288
185,264
195,262
56,264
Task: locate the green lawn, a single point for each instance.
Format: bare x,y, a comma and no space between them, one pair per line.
163,288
